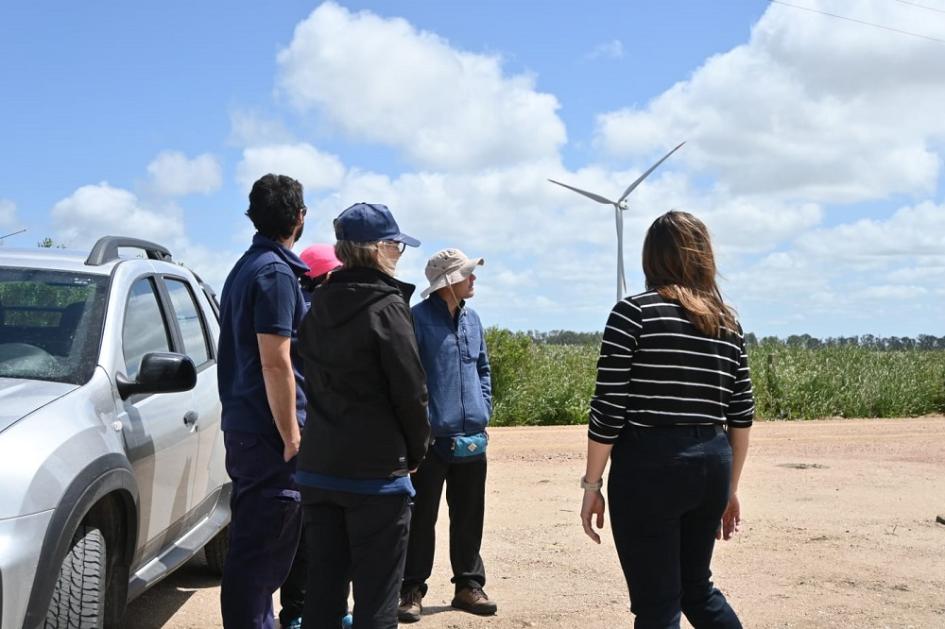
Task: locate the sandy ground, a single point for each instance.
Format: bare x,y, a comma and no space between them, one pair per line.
839,530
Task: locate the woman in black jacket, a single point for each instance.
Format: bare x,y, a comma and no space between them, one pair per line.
366,427
672,409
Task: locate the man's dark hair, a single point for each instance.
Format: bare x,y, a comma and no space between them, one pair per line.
274,205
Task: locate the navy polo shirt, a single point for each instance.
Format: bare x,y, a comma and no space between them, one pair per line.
261,296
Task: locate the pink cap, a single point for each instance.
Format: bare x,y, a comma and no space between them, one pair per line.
320,259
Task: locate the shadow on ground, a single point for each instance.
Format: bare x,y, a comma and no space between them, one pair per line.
156,607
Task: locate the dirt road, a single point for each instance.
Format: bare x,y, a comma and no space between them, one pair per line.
839,531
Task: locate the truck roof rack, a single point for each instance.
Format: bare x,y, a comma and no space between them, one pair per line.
106,249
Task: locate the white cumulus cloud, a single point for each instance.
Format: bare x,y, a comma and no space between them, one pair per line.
94,211
314,169
811,107
382,80
173,174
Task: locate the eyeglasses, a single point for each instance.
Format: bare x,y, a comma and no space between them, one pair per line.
303,210
401,247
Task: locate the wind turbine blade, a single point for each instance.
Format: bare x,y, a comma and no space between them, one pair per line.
646,174
589,195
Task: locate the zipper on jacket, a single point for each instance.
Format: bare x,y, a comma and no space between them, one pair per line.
459,355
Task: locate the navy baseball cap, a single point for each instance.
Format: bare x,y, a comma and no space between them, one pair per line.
370,222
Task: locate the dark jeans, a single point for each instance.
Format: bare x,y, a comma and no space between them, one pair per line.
466,498
667,490
292,592
264,529
361,538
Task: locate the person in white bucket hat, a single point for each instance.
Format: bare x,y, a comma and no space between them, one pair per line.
448,267
453,352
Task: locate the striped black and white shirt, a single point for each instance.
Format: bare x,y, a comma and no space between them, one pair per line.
657,369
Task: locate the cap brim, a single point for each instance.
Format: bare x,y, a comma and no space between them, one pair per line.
410,241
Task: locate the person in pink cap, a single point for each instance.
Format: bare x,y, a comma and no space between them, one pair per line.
321,261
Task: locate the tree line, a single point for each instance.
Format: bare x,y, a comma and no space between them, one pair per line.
922,342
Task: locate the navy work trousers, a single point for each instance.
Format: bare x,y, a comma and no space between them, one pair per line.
466,498
667,490
358,538
264,529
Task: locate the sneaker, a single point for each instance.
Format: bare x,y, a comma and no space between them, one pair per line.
473,600
410,605
347,622
295,623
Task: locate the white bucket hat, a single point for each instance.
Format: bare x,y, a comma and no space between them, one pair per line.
447,267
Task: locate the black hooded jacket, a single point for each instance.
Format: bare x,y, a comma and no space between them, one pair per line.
365,385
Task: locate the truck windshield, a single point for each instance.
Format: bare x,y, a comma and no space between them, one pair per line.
50,324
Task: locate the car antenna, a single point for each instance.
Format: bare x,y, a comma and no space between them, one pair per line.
12,234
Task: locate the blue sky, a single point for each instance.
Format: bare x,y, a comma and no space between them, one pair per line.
814,145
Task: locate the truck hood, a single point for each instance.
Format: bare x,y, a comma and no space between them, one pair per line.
19,397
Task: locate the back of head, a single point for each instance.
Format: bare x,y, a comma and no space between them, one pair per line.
274,205
362,255
678,263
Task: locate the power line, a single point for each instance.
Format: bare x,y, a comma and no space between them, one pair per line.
921,6
850,19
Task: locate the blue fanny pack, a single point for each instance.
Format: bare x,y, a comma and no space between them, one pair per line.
461,448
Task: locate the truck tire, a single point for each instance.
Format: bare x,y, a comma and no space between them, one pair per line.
215,551
78,600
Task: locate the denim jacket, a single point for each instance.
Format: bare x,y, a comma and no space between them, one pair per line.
459,380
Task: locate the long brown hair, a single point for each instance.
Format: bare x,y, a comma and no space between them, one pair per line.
678,263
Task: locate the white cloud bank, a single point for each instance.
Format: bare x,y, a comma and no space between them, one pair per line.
314,169
382,80
173,174
811,107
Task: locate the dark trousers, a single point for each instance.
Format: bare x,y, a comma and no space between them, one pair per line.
264,529
292,592
361,538
466,498
667,490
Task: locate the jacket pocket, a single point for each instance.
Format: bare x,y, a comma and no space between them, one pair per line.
470,342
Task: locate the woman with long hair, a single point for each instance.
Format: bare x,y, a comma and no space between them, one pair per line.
672,410
367,425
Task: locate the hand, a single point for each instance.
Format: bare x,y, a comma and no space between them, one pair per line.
731,518
290,449
593,504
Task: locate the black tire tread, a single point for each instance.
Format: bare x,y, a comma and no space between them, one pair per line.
78,600
215,551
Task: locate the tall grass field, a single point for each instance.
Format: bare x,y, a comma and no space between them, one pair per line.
538,384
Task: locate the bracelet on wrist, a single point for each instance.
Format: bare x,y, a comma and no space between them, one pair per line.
587,486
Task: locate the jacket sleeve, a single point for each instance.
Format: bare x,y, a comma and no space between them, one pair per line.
406,380
485,371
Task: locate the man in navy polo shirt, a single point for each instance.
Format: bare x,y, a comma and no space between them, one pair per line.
263,403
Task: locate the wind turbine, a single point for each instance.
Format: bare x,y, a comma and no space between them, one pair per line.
619,206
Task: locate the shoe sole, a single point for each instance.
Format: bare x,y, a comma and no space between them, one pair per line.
407,618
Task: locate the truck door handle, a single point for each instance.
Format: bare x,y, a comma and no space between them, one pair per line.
190,419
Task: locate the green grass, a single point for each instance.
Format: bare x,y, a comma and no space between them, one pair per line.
538,385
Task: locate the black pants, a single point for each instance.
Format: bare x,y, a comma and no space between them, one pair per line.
667,490
354,537
466,498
